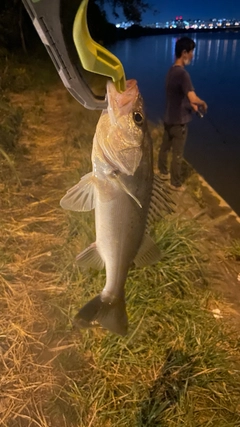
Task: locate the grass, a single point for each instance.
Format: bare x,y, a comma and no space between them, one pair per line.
10,125
173,368
20,72
233,251
178,365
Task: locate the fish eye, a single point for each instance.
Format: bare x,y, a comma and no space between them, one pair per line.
138,118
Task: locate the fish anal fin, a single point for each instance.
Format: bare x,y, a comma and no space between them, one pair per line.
148,253
90,258
111,316
81,197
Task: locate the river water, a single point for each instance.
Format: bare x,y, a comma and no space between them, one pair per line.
213,145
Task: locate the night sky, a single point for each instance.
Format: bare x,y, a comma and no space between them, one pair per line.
164,10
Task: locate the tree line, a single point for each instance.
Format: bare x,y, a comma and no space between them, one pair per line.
17,31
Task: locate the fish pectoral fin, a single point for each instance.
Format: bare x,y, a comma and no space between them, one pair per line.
111,316
81,197
124,188
90,258
148,253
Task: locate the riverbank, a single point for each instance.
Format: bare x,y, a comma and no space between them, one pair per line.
183,312
202,203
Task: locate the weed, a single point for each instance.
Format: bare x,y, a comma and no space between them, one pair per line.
177,365
233,251
10,125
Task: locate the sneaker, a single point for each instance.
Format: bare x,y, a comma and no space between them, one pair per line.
180,189
164,176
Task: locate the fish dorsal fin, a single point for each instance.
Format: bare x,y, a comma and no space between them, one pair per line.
81,197
90,258
161,203
148,253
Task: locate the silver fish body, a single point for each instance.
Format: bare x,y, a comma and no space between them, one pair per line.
120,189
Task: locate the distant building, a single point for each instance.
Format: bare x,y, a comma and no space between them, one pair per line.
194,24
124,25
179,23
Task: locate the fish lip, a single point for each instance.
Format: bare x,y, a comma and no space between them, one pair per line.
121,103
129,85
110,97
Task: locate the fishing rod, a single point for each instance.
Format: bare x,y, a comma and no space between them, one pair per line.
210,120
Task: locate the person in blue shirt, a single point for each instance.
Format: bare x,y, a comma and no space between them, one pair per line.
181,101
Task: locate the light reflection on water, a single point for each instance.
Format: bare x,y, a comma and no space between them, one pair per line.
213,145
148,58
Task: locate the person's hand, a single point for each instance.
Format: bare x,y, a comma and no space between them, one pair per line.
194,107
204,107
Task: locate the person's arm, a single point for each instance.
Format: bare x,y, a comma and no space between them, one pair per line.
196,102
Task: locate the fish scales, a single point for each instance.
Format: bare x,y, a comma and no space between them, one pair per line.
119,189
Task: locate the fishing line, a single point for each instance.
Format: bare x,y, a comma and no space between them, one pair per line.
206,116
210,120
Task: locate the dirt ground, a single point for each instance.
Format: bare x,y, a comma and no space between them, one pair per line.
33,231
222,225
50,162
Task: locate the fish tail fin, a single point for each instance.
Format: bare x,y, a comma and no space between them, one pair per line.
110,315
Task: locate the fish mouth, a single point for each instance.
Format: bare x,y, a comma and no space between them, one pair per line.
120,104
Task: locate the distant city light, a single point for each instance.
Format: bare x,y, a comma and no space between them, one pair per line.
180,23
124,25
